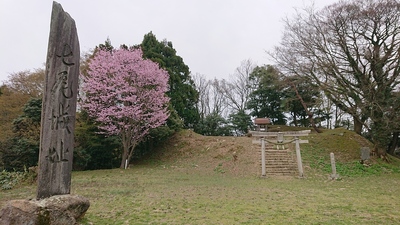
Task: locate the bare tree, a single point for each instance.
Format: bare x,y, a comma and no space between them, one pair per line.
211,96
27,82
237,90
203,87
218,101
327,108
351,50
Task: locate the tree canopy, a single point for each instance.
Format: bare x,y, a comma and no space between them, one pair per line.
266,98
21,147
182,91
126,95
16,92
351,51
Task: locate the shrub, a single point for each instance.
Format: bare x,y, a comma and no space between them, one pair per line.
8,180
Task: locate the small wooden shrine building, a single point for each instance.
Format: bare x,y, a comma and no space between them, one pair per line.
262,124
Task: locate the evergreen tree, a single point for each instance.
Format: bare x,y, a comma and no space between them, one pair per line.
241,122
94,150
22,148
213,125
266,97
182,92
309,93
107,46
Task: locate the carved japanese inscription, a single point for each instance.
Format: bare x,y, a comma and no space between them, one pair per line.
59,106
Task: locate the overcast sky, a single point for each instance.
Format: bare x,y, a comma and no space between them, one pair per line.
212,36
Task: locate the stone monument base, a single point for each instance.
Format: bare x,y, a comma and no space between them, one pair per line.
55,210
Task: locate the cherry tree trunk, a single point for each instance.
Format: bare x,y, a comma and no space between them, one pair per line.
124,158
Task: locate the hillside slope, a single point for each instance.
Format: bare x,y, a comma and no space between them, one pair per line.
189,151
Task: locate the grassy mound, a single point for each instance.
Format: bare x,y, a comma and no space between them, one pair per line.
192,152
189,151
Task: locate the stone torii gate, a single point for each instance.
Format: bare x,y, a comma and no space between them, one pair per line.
279,139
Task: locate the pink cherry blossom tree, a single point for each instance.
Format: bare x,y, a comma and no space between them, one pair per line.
126,95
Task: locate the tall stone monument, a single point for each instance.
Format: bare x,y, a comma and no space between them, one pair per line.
54,204
59,106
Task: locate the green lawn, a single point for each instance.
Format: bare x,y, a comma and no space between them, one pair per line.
168,195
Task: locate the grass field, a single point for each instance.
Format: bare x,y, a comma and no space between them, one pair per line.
194,180
167,195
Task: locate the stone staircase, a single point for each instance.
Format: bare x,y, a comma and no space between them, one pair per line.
279,162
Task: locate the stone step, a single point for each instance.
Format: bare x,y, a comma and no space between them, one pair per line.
278,157
281,171
281,174
281,165
284,159
277,153
269,160
279,162
276,150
